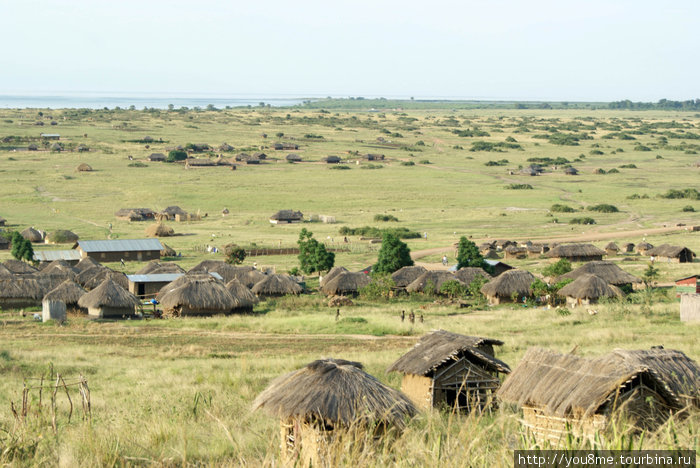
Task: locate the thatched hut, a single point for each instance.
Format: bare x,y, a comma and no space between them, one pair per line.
671,253
32,235
608,271
431,282
515,252
276,286
325,398
248,276
345,284
225,270
407,275
18,291
629,247
331,159
643,247
576,252
469,274
86,263
59,268
332,273
451,370
287,217
293,158
4,271
244,297
611,249
109,300
563,393
32,147
155,267
159,230
18,267
172,211
93,277
588,289
61,236
196,295
511,285
84,167
69,292
156,157
571,171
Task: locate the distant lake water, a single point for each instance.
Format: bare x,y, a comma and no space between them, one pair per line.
85,101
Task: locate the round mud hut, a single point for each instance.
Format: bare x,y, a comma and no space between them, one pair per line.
325,399
196,295
508,286
332,273
32,235
431,282
346,284
109,300
18,267
154,267
608,271
469,274
276,286
588,289
61,236
245,299
69,292
407,275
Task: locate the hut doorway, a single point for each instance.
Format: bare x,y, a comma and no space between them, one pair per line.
464,386
141,290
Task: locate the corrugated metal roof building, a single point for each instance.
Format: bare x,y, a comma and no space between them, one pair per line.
146,286
70,256
121,249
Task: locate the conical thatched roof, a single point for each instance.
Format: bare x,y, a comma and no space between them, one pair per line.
643,247
469,274
59,268
18,267
589,287
203,292
337,393
167,251
565,385
87,263
32,235
68,292
249,277
181,281
23,287
159,230
574,250
227,272
171,211
345,283
612,247
276,285
681,373
155,267
108,294
242,294
332,273
93,277
436,278
407,275
508,283
439,347
608,271
62,236
671,251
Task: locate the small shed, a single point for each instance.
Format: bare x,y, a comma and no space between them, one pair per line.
563,394
327,398
449,370
690,307
588,289
671,253
287,217
509,286
109,300
576,252
688,285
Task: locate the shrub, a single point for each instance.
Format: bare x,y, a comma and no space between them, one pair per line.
501,162
385,218
381,287
176,155
689,193
368,231
408,163
519,187
138,164
313,255
340,167
559,208
595,152
234,254
613,171
453,289
688,209
603,208
559,268
510,139
393,255
642,148
582,221
370,166
425,161
628,166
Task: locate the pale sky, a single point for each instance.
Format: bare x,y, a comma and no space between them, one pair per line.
594,50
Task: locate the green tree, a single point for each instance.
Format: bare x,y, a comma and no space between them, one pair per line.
176,155
234,254
393,255
313,256
22,248
468,255
650,275
559,268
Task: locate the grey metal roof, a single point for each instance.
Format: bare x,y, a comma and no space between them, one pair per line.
120,245
162,277
51,255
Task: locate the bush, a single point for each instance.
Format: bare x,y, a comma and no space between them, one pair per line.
642,148
582,221
595,152
688,209
381,287
340,167
613,171
628,166
385,218
453,289
500,162
138,164
368,231
176,155
603,208
393,255
519,187
408,163
425,161
234,254
370,166
689,193
558,208
559,268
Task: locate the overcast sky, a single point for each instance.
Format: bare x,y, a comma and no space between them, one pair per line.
488,49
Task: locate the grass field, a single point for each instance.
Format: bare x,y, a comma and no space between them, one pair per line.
175,392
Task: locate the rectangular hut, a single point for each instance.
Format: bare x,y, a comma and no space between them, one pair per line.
115,250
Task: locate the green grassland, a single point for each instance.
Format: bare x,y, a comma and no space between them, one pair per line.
179,391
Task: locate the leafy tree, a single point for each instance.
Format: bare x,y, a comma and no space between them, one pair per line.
393,255
21,248
176,155
650,275
381,287
313,255
559,268
468,255
453,289
234,254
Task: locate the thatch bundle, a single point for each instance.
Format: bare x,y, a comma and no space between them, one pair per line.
431,281
439,347
196,295
84,167
508,284
575,251
154,267
109,295
608,271
18,267
335,393
589,287
346,283
61,236
159,230
32,235
245,299
407,275
276,285
167,251
69,292
332,273
86,263
469,274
